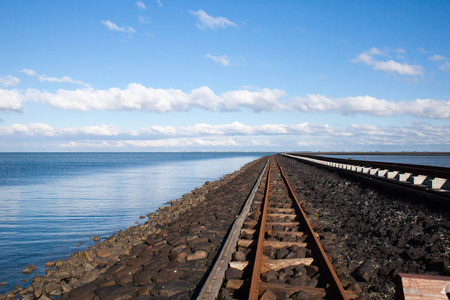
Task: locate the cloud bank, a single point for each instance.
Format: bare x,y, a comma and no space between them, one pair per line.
316,103
136,97
232,136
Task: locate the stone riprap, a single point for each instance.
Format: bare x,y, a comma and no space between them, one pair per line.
165,257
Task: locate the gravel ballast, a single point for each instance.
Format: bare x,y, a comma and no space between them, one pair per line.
373,232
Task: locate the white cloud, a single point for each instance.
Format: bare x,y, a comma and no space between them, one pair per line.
8,81
236,129
141,5
223,59
205,98
209,22
437,57
234,136
159,3
11,100
30,130
313,103
390,66
396,67
41,129
444,62
367,57
101,130
138,97
113,27
182,143
260,100
165,143
168,132
426,108
134,97
64,79
29,72
101,144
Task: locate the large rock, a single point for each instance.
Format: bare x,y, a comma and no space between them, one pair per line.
366,271
30,269
197,255
232,273
123,293
175,287
145,277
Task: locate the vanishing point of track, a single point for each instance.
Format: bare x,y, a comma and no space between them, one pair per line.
272,249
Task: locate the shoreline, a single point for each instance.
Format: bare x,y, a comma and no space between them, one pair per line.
83,267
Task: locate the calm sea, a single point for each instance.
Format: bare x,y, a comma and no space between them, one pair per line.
51,203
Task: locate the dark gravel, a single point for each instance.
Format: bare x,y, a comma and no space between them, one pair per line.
373,232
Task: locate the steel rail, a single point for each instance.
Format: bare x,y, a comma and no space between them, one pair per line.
326,266
213,283
255,281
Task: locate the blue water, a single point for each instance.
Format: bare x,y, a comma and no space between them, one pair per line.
428,160
51,203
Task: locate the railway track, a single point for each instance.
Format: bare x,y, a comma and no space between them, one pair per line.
272,250
431,179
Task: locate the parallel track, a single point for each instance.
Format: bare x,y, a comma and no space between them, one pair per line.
432,171
431,180
277,251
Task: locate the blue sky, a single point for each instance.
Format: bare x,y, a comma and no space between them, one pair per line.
224,75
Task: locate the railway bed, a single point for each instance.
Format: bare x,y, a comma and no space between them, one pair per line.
274,252
378,228
370,231
432,180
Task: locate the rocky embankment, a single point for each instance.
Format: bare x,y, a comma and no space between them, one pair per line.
373,232
370,233
168,256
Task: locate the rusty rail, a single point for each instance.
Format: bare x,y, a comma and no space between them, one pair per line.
214,281
336,288
255,282
273,206
327,267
